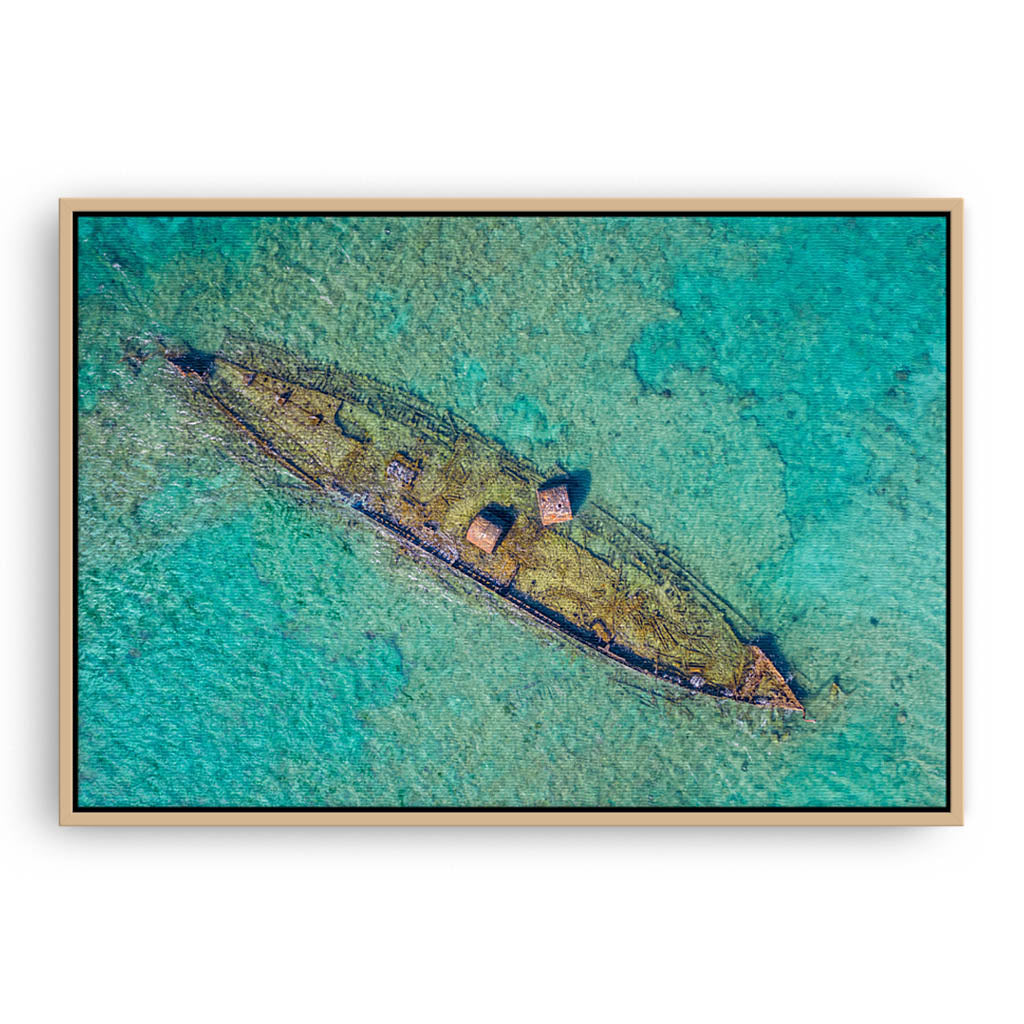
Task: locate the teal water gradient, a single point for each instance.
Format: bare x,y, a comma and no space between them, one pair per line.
767,394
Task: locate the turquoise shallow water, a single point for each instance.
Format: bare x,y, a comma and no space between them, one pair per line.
767,394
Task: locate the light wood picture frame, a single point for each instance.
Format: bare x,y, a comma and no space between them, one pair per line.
73,811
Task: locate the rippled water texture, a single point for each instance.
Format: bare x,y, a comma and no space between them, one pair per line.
766,393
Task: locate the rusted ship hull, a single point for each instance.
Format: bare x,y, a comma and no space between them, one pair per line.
424,478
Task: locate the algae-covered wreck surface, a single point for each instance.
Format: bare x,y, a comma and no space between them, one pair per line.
465,504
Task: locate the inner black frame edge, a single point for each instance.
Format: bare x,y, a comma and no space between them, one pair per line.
79,809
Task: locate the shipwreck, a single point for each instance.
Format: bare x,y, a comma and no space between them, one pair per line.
466,505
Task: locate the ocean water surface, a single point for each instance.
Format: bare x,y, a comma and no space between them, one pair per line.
766,394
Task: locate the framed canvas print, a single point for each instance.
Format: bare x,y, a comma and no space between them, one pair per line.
511,511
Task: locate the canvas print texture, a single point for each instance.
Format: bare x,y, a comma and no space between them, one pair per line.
474,511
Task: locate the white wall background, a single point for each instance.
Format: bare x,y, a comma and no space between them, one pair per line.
639,98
